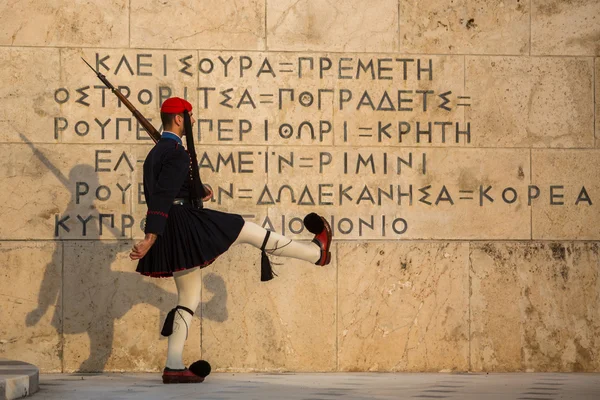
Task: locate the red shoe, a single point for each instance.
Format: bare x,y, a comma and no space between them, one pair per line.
320,227
180,376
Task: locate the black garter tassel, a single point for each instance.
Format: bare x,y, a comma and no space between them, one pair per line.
167,329
266,272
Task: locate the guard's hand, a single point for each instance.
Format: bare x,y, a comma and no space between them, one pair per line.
140,249
209,195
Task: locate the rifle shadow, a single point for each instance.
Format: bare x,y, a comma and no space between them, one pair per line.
94,297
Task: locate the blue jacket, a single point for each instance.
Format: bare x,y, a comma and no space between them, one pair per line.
166,169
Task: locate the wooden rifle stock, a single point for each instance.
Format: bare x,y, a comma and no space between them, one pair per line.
154,134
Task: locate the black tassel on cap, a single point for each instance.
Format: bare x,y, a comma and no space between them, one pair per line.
266,272
196,186
314,223
201,368
167,329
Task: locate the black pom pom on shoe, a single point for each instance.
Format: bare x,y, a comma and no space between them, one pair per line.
314,223
200,368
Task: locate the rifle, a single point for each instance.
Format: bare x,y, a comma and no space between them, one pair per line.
141,119
156,136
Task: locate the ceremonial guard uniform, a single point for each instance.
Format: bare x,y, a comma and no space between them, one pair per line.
182,236
187,237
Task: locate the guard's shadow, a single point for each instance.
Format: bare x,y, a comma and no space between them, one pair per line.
93,296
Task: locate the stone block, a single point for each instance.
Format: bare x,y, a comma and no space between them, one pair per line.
265,98
403,306
27,105
62,191
597,100
31,312
567,206
113,316
92,114
236,175
65,23
384,100
288,323
534,306
496,320
565,27
139,208
407,193
531,102
319,25
201,25
464,27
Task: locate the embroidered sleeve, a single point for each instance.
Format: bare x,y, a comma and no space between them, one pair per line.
162,214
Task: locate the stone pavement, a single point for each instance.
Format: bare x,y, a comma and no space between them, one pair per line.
301,386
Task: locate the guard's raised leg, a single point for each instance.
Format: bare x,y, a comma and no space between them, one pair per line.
316,252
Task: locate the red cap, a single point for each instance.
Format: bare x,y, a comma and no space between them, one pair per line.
175,105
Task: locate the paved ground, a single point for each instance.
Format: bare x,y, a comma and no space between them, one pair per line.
325,386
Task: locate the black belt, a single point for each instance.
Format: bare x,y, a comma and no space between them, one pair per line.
179,201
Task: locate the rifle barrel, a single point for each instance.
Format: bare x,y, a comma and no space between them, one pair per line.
154,134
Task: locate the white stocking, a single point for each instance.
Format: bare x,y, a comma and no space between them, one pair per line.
278,245
188,284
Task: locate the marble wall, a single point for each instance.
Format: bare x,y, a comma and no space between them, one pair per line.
453,148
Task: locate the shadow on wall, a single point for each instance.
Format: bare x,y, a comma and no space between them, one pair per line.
95,296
